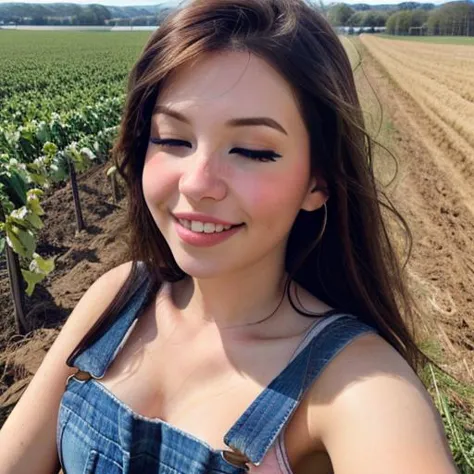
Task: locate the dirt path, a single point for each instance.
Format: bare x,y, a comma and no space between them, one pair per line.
436,205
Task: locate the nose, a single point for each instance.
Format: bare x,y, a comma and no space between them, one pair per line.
203,177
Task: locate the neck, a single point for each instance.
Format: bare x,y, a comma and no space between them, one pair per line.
232,300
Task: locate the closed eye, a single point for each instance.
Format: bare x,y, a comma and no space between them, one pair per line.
168,142
259,155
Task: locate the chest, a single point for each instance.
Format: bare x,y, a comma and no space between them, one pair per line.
202,384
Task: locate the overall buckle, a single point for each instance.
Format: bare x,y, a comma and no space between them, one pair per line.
236,458
80,375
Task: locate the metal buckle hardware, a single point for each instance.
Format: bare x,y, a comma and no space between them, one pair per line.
236,458
80,375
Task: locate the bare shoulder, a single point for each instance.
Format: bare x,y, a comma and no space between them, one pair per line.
86,312
369,409
27,439
92,304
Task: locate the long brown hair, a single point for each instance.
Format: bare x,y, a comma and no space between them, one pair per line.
354,266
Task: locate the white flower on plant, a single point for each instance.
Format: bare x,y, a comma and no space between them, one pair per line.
40,161
72,147
87,152
20,213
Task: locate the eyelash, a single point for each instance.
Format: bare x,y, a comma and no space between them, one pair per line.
258,155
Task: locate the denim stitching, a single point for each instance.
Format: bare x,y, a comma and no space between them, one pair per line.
156,421
158,460
347,343
298,401
331,328
164,463
301,346
101,455
135,305
84,435
293,406
272,437
251,411
161,461
60,432
310,348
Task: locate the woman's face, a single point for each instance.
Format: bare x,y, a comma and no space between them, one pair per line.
209,168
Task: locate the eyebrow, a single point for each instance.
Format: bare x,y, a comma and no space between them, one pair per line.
235,122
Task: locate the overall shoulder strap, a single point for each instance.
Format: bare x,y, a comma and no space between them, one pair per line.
97,357
257,429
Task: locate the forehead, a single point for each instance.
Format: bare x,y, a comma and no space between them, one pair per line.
237,83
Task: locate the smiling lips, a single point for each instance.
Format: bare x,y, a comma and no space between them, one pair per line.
206,227
200,230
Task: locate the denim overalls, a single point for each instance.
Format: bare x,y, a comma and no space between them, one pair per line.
97,433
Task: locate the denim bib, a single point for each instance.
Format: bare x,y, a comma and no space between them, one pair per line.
97,433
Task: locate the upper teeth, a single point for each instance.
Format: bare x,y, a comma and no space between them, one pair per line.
206,227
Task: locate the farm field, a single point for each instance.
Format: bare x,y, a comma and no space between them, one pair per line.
468,40
64,88
47,71
418,99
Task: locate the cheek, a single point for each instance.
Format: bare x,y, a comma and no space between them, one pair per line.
276,199
158,181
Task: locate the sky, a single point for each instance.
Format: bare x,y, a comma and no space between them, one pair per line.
122,3
110,3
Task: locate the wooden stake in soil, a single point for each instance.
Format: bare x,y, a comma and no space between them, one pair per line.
17,286
75,195
17,290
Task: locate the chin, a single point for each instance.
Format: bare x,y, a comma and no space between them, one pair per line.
202,268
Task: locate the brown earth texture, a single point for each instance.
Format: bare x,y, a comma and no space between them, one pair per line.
434,184
81,258
437,204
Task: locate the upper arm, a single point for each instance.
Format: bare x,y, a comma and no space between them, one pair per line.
28,437
378,417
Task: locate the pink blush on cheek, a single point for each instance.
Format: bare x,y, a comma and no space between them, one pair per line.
158,181
271,201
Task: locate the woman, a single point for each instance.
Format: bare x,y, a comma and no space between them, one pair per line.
259,323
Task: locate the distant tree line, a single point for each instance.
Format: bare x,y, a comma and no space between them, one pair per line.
87,15
90,15
145,20
453,18
137,21
346,16
402,22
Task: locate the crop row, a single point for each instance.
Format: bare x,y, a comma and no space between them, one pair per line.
440,92
55,72
61,98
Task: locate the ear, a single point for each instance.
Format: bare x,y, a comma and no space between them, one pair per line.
316,195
